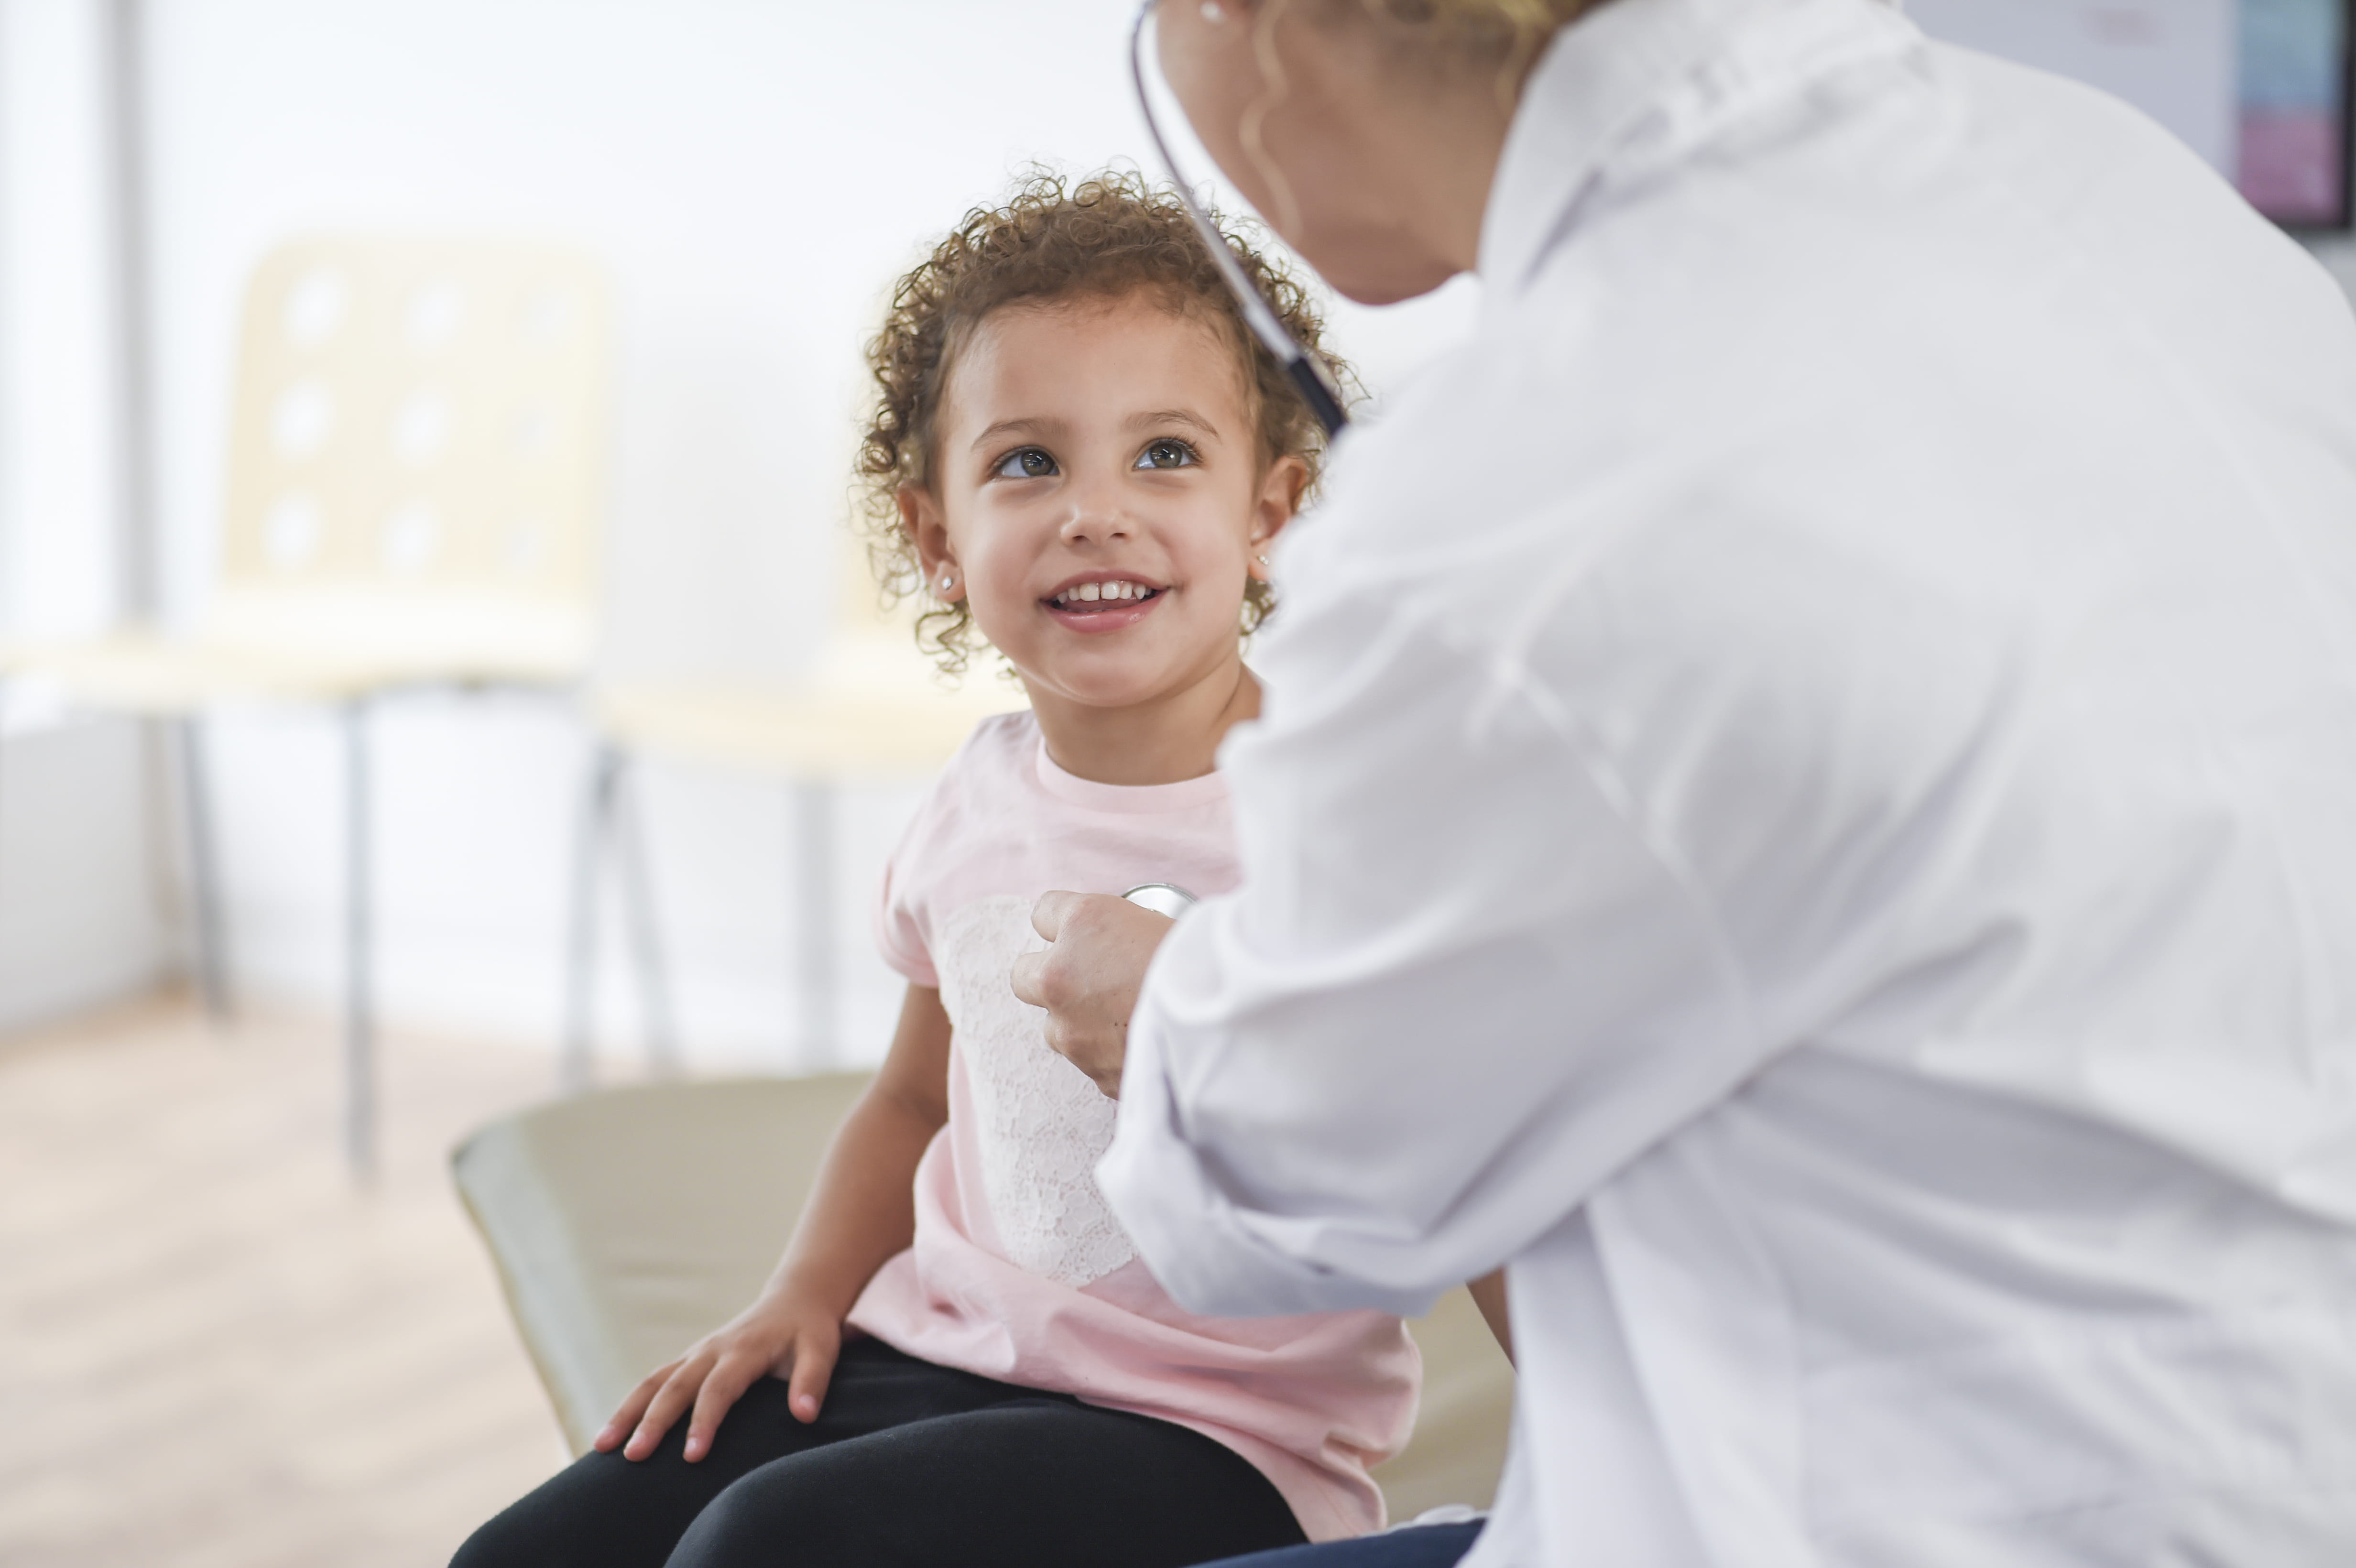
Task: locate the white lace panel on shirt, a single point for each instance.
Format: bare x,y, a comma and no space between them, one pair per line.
1041,1124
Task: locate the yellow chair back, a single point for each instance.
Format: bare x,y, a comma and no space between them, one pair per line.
418,454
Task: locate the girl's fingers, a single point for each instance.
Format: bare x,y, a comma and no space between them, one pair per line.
813,1370
676,1395
721,1390
625,1414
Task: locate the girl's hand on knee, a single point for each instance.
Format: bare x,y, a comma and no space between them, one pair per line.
779,1334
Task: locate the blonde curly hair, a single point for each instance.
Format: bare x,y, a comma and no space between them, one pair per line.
1503,36
1506,21
1108,235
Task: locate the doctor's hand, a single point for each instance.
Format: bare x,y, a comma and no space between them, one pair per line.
1088,980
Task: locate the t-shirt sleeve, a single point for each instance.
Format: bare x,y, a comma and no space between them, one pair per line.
900,923
903,905
948,839
1362,1077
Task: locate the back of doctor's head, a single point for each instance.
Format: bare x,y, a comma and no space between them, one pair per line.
1446,34
1105,237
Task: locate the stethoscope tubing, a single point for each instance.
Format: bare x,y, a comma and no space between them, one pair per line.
1300,366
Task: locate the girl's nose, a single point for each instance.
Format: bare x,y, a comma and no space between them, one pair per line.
1096,516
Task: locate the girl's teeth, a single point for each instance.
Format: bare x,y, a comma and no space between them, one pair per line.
1098,590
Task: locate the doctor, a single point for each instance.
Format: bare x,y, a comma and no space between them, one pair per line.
1806,803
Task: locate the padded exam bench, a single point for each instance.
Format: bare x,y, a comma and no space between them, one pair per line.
627,1223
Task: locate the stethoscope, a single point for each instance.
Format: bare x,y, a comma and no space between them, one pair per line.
1316,390
1163,898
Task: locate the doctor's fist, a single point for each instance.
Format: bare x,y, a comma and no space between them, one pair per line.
1088,977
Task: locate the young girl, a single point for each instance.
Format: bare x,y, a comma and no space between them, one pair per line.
1078,452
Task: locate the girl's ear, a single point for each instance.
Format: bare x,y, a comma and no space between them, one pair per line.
921,518
1278,500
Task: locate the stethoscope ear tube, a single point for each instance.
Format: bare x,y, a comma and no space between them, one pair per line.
1317,392
1306,373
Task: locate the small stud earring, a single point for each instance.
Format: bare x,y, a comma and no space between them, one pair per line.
946,581
1261,559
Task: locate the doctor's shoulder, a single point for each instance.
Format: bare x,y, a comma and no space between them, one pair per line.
1418,465
1478,461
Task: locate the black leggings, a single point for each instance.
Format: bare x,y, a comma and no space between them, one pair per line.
909,1466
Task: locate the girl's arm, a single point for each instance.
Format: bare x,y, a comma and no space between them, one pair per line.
862,1211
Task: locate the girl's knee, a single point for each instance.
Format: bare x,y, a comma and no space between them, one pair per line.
587,1515
744,1526
503,1542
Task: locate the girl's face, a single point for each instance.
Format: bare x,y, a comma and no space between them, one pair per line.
1097,493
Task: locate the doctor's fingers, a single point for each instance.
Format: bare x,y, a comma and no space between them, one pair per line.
1029,978
1096,1050
1047,916
1064,978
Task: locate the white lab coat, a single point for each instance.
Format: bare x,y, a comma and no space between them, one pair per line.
1808,801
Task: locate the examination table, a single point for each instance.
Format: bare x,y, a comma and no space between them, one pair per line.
626,1223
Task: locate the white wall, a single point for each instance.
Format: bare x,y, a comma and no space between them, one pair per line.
755,173
78,919
60,461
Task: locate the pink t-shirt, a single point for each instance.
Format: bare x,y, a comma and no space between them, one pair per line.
1019,1270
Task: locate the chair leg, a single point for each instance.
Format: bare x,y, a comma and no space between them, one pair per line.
359,1002
204,870
814,964
575,1061
646,937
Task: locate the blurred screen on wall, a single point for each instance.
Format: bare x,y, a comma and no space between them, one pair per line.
2293,157
2259,88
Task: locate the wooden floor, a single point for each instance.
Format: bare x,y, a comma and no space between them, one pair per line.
213,1350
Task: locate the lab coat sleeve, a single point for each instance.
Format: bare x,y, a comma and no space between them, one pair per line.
1459,976
1507,904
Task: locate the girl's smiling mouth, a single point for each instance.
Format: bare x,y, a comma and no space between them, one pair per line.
1103,602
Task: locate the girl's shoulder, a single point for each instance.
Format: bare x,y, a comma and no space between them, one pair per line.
989,784
994,766
968,825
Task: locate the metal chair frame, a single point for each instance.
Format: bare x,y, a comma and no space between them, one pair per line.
417,468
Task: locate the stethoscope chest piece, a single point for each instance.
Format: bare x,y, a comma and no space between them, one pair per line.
1162,898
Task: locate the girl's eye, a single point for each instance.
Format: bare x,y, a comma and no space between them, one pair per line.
1167,452
1024,463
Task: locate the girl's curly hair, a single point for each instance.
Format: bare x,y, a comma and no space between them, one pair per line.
1107,236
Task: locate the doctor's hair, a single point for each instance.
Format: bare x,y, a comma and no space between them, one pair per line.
1503,35
1506,24
1103,237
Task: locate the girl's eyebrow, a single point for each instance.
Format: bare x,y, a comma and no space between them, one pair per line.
1029,425
1173,416
1043,427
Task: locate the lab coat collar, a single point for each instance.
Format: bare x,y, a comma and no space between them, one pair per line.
1606,75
